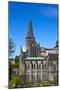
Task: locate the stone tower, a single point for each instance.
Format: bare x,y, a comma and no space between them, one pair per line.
30,37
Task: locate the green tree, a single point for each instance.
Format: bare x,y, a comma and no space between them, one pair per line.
16,81
11,51
10,70
11,47
17,59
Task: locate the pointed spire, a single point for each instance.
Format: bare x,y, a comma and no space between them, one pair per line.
30,38
30,31
21,49
56,44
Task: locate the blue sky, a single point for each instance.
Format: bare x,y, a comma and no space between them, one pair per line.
44,20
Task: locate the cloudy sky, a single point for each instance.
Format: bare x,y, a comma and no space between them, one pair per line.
44,20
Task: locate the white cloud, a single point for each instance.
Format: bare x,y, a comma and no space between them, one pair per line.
50,12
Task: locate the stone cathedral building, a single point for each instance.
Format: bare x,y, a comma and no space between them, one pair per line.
37,63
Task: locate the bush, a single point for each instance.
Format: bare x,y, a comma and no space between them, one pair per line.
16,65
15,81
46,83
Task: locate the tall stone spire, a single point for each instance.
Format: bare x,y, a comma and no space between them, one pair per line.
30,29
30,38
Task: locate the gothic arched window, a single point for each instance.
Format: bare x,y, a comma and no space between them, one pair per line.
28,66
34,65
42,66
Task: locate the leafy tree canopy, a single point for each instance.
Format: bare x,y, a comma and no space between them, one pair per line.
11,47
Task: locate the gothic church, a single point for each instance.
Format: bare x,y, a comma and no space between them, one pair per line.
37,63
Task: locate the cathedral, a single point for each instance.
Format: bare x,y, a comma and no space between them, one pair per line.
37,63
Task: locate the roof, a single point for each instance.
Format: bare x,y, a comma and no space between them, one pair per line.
35,58
53,56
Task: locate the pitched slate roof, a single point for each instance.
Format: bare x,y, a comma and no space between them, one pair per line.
53,56
36,58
